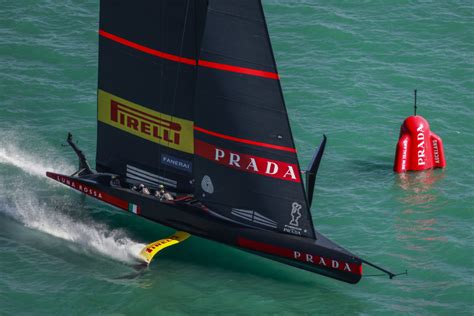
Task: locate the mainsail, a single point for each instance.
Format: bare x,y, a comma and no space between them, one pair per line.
189,96
245,163
147,74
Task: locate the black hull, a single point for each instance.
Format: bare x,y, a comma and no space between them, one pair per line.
321,256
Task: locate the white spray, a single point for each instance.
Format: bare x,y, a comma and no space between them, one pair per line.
11,155
20,203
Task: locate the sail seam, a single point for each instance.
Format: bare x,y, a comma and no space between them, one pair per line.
256,21
188,61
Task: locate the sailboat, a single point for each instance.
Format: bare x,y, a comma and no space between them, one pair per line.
189,104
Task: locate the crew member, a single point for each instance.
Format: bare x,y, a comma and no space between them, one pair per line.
163,195
158,193
143,189
115,181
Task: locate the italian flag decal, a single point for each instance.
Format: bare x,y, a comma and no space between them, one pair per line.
134,208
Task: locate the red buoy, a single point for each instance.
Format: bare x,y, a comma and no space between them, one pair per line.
418,147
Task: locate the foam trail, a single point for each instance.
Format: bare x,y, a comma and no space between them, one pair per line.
12,155
19,202
90,237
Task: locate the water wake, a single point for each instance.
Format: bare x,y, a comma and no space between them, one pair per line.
89,236
22,204
12,155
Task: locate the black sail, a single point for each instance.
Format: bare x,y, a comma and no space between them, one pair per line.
147,74
245,164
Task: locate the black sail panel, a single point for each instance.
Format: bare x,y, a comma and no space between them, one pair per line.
147,75
245,164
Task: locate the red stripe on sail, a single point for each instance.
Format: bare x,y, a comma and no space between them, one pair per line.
244,141
300,256
247,163
147,50
189,61
242,70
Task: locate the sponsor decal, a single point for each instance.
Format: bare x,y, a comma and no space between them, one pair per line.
206,185
420,136
254,217
177,163
293,225
152,249
301,256
321,261
159,243
247,163
404,154
435,151
88,190
145,123
148,177
295,213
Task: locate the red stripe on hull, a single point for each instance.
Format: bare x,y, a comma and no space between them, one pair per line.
300,256
188,61
244,141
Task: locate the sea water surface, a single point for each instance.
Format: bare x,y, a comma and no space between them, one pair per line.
348,70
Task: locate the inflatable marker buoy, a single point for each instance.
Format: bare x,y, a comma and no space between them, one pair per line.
418,148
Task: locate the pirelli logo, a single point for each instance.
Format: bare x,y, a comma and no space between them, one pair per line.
143,122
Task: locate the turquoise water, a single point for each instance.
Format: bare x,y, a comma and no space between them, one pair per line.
348,70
